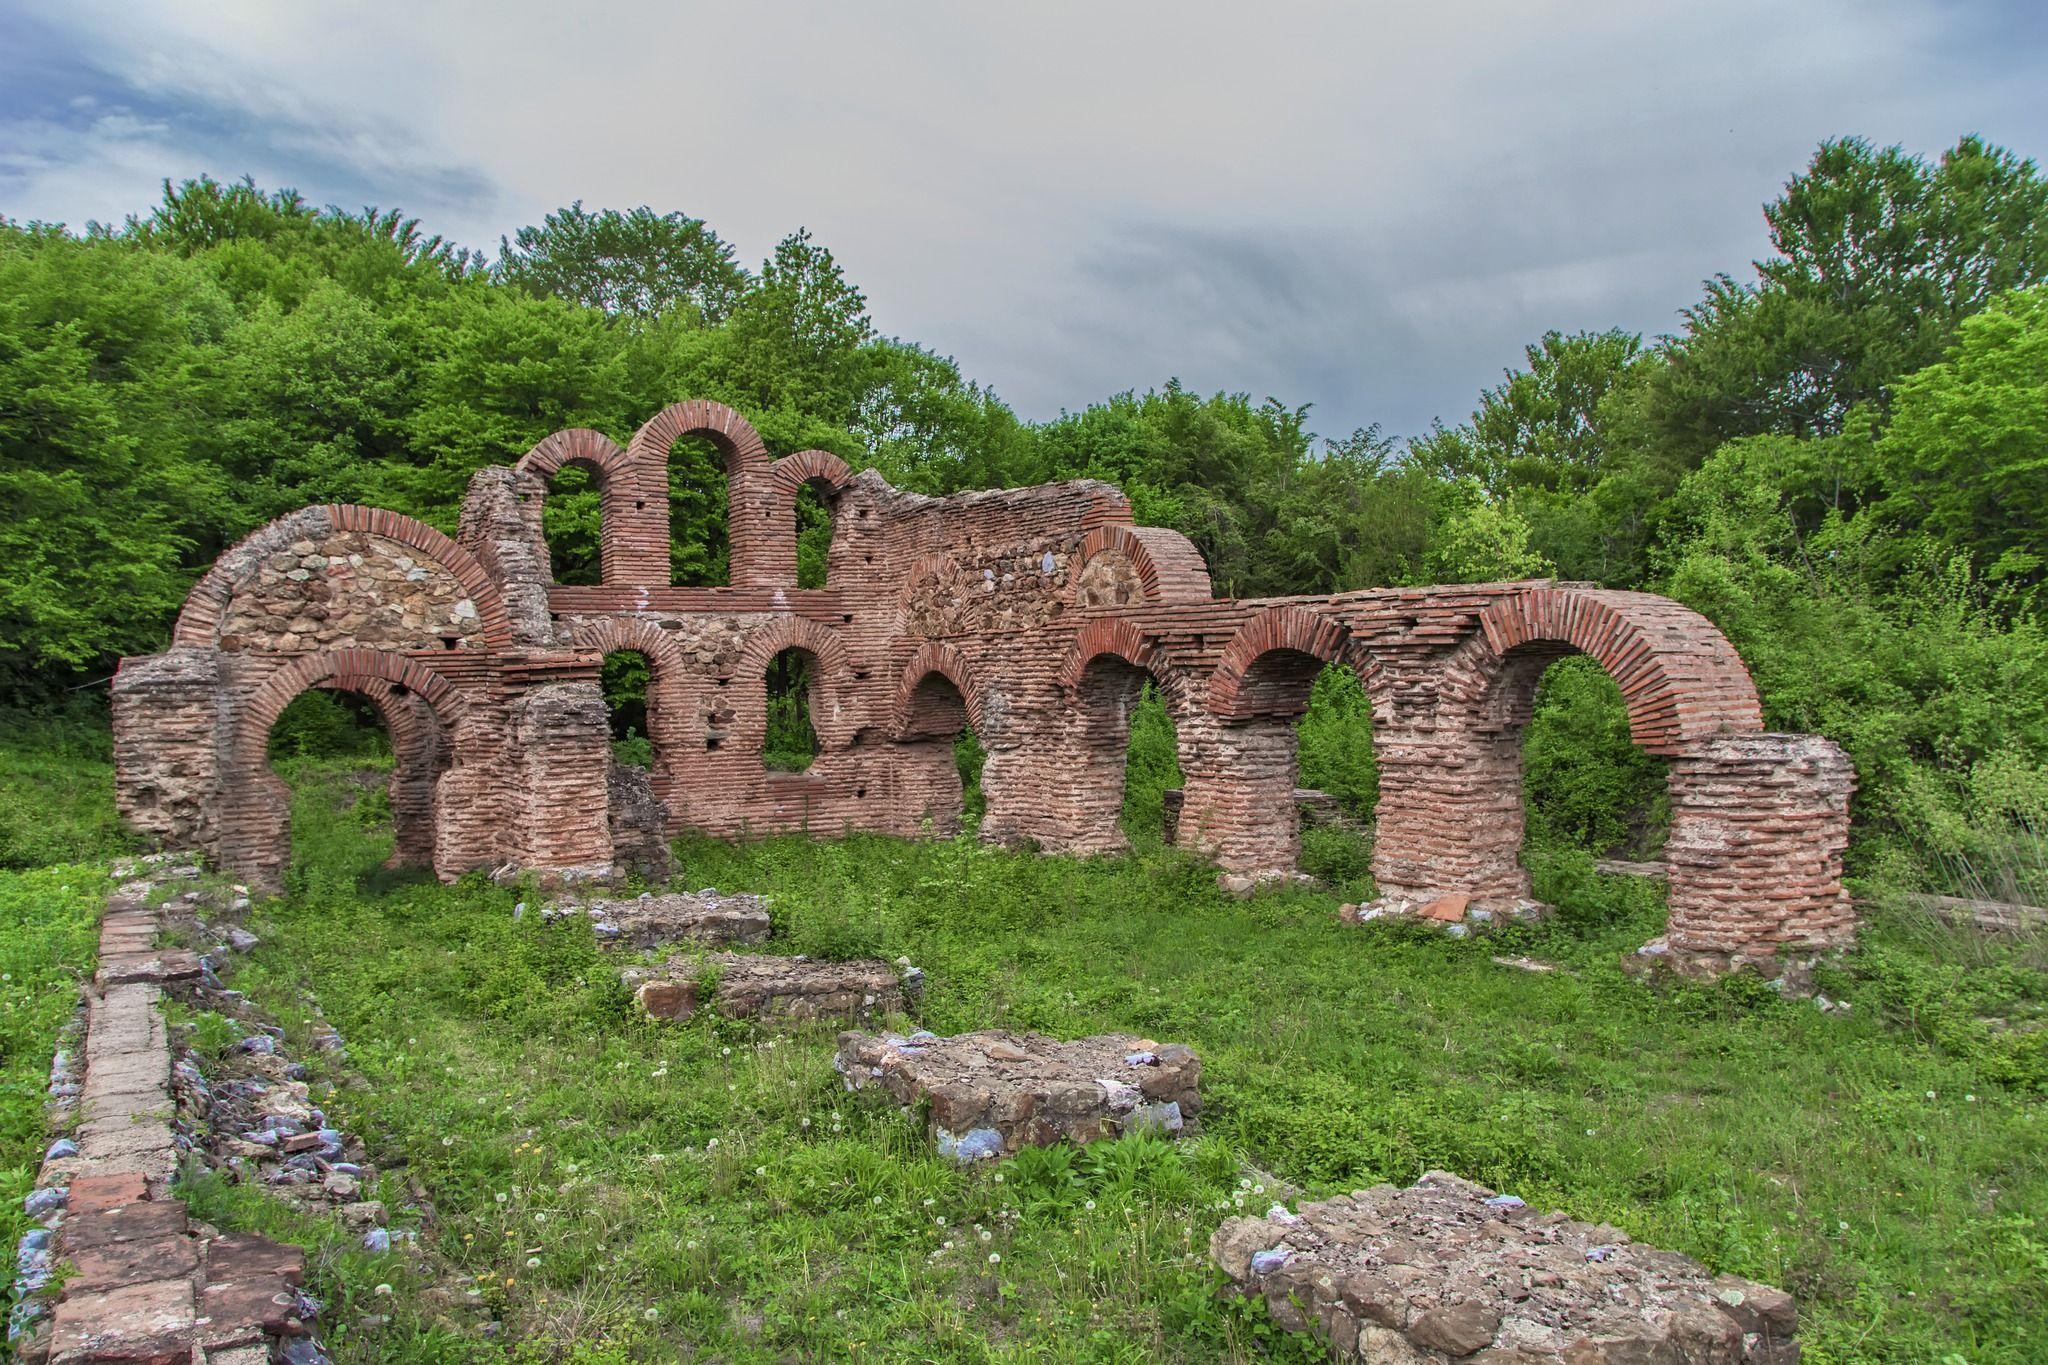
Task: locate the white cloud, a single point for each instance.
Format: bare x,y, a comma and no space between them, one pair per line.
1367,207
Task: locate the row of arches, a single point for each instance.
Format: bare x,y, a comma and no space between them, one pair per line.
753,522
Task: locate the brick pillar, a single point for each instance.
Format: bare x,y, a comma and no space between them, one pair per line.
1238,806
166,711
1759,824
1450,814
560,801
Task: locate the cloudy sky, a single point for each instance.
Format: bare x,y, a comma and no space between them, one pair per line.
1364,206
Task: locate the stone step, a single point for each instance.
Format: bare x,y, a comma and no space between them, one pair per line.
1447,1269
994,1092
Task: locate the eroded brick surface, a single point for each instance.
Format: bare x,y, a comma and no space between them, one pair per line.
1035,615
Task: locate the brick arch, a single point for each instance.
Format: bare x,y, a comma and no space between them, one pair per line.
1169,567
942,659
792,472
342,670
199,620
746,484
575,445
1682,682
668,716
1237,692
786,478
1123,639
832,712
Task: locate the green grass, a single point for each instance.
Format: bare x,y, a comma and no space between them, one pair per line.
712,1188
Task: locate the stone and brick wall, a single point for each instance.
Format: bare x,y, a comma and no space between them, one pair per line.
1034,615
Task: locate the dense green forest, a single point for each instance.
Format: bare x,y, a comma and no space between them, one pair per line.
1840,455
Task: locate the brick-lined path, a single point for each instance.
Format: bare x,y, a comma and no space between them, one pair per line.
146,1286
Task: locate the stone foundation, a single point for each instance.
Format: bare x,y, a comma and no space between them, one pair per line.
1447,1270
995,1092
774,990
661,921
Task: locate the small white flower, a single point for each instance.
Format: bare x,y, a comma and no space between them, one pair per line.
1969,1099
929,1202
651,1314
940,1221
1090,1205
995,1258
1930,1094
999,1177
447,1142
533,1263
878,1201
760,1170
691,1244
986,1234
711,1144
725,1052
384,1289
805,1122
540,1218
501,1197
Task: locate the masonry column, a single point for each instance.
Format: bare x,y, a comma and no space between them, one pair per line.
560,800
1759,825
166,711
1239,804
1450,814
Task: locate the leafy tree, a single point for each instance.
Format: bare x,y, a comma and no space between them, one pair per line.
635,264
1541,427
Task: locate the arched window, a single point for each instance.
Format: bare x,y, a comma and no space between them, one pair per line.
626,677
700,545
791,742
572,519
813,534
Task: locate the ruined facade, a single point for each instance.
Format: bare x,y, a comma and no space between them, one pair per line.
1034,615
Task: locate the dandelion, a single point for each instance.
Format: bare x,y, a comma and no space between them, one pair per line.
533,1263
501,1197
999,1177
929,1202
995,1258
540,1218
1969,1099
384,1289
509,1281
805,1122
725,1052
878,1201
690,1245
711,1144
940,1221
447,1142
1930,1094
760,1170
651,1314
986,1234
1090,1205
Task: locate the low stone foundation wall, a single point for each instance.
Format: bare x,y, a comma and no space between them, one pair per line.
1448,1270
652,921
994,1092
783,990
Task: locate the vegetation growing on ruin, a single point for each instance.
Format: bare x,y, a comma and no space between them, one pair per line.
613,1188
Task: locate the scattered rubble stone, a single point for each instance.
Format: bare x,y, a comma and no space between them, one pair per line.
660,921
774,989
1448,1270
994,1092
1454,912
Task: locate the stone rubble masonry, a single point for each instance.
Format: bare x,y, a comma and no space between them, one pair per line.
144,1286
993,1093
773,990
1035,616
661,921
1447,1270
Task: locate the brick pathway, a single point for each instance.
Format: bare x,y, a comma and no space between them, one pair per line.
146,1286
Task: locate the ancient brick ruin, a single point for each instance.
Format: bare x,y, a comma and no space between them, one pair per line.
1034,614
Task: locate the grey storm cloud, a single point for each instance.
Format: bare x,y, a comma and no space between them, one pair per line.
1367,208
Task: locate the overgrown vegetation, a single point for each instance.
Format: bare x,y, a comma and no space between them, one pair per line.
618,1190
